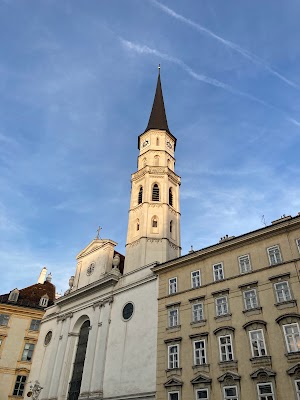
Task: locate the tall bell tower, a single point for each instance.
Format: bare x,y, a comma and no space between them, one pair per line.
154,214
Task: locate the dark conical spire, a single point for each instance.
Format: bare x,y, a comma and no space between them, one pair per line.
158,118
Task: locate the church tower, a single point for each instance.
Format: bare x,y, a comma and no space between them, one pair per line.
154,214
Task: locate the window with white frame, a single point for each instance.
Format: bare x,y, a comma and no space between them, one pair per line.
265,391
14,295
274,255
198,313
173,396
4,318
282,291
292,337
298,244
297,385
19,385
225,346
230,393
35,325
172,285
195,278
27,352
199,352
250,299
221,306
173,356
202,394
44,301
244,263
173,317
257,341
218,272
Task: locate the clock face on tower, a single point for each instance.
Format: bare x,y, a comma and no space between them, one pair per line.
169,144
145,143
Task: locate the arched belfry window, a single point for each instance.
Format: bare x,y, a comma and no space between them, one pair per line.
140,196
155,192
171,226
156,160
75,384
170,197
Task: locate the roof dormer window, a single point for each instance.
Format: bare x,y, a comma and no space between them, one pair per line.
44,301
14,295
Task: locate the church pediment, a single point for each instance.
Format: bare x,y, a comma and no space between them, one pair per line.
173,382
201,378
95,245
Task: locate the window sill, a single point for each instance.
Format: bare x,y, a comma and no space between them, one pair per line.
262,360
293,356
173,371
196,324
200,368
286,304
173,328
252,311
228,364
224,317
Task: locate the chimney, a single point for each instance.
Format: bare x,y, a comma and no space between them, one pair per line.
42,275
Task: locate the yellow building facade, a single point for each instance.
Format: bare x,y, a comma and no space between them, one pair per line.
228,318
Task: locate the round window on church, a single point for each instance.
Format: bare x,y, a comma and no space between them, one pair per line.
90,269
127,311
48,338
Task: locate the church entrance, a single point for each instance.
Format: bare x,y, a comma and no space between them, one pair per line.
75,384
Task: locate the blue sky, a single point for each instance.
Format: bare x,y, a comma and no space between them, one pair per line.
77,81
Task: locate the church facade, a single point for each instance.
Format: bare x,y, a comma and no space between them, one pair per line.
99,340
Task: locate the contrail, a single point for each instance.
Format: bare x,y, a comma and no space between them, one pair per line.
245,53
142,49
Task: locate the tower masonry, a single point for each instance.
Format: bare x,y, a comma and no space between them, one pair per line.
154,214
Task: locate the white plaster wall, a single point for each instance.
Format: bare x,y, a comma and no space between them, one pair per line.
131,349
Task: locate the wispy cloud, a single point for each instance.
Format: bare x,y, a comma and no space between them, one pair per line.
245,53
142,49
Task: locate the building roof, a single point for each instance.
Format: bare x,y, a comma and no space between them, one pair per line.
31,295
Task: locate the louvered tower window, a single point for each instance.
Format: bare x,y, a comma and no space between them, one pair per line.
75,384
140,196
155,192
170,197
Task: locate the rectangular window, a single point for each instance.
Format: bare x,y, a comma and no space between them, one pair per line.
298,244
257,341
244,263
173,396
282,291
250,299
4,319
35,325
196,280
221,306
265,391
274,255
198,314
27,352
292,337
297,384
173,356
173,317
202,394
172,285
19,385
230,393
199,352
226,352
218,272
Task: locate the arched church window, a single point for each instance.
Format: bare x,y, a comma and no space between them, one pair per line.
156,160
140,196
154,222
137,224
170,197
75,384
155,192
157,141
171,226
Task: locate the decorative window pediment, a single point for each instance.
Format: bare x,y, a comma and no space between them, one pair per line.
201,378
288,318
173,382
257,323
223,330
229,377
295,370
263,374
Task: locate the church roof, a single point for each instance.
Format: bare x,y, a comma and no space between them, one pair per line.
158,118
